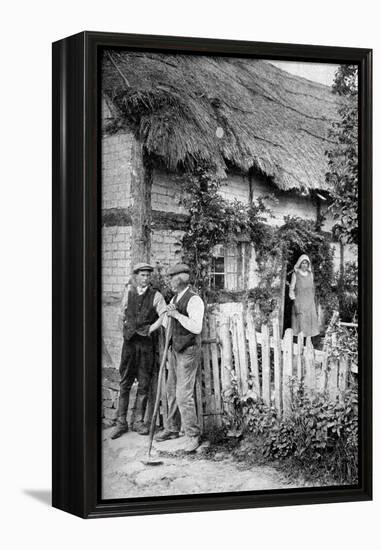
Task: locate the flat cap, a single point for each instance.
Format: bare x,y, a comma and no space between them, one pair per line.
178,268
142,266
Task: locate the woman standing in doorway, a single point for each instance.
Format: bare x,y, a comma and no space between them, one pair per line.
302,292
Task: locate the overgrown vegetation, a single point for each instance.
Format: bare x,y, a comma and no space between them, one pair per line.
342,341
349,291
217,221
318,437
342,175
213,221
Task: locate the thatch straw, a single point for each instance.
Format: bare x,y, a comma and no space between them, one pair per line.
273,122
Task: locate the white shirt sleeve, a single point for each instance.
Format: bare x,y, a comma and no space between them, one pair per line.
292,287
195,310
159,304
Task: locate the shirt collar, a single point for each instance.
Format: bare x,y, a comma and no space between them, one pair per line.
141,290
178,296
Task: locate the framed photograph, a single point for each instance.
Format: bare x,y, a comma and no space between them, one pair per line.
211,274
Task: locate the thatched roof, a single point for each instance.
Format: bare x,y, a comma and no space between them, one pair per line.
272,121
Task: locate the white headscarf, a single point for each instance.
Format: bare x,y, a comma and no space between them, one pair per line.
301,259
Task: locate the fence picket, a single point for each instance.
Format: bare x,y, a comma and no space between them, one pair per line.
266,388
200,410
215,369
321,384
226,361
332,382
343,374
209,408
236,355
309,362
277,366
287,371
299,357
251,336
242,351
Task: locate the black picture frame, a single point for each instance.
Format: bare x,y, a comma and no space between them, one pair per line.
76,275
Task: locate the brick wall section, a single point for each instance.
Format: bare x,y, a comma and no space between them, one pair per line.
165,247
167,190
116,170
116,258
111,335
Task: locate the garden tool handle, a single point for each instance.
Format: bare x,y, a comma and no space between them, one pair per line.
159,382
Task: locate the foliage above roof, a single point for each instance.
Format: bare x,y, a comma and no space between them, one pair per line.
272,122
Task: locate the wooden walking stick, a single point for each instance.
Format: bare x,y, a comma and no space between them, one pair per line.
152,461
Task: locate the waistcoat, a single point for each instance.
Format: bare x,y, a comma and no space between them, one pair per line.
139,313
181,337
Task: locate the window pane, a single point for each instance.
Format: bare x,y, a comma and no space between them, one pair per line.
219,264
219,282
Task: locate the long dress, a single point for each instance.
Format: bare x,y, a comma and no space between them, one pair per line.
305,320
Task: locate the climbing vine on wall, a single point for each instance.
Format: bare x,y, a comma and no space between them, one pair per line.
214,221
217,221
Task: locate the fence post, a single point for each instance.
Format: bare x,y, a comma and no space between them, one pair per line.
343,375
277,366
226,354
309,361
287,371
323,373
209,408
332,374
236,354
215,369
253,353
332,379
242,352
200,412
266,395
299,355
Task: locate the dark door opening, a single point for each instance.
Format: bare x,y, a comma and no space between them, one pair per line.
287,306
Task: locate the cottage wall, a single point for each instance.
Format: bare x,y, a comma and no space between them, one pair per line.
166,236
236,187
167,191
116,170
283,203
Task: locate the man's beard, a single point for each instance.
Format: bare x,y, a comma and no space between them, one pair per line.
179,287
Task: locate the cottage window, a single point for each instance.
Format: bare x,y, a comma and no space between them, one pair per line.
217,273
228,267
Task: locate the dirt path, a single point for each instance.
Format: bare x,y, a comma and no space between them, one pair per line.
125,476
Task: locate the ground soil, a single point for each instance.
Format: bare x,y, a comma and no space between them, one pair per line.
125,475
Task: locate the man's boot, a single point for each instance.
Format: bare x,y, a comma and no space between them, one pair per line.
120,428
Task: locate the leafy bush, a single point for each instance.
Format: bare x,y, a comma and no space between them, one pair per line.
318,434
349,292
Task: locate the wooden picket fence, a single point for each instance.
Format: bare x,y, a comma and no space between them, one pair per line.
260,362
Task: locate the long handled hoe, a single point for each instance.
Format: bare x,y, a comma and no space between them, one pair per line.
149,461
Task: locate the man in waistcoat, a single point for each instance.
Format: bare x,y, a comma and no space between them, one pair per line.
142,312
186,310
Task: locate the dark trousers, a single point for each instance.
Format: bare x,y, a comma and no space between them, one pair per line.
137,361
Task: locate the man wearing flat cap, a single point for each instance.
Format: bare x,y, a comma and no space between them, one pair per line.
186,310
142,311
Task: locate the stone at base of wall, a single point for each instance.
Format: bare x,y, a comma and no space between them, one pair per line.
110,398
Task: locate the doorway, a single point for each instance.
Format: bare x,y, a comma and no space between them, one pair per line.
287,303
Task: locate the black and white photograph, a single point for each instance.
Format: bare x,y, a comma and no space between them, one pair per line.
229,274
